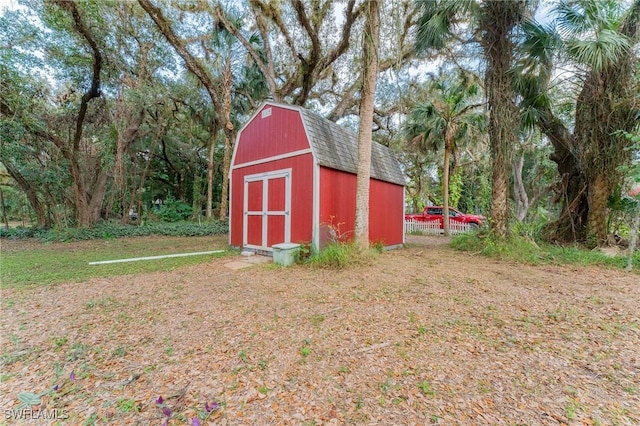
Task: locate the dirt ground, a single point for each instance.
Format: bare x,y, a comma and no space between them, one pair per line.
422,335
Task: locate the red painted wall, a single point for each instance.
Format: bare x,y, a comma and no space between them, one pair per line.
338,206
301,198
277,134
386,213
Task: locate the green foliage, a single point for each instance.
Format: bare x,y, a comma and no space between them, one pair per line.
303,254
524,249
110,230
531,229
126,405
339,255
455,188
378,246
174,210
621,210
305,350
16,203
426,389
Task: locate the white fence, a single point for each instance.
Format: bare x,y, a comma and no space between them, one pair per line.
433,227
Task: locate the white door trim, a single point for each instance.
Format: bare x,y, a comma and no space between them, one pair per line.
265,212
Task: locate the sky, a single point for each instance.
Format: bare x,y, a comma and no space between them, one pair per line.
7,4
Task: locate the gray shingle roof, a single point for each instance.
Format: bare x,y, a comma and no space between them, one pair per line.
337,148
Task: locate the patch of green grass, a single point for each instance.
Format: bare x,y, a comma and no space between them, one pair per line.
572,408
69,262
339,256
386,386
526,250
119,352
317,319
78,351
263,364
127,405
305,350
426,389
8,358
91,420
60,341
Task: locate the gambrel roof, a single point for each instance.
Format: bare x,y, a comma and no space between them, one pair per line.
337,148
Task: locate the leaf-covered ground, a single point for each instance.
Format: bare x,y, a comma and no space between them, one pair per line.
423,335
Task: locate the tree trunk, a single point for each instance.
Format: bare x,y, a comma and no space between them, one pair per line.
228,137
571,224
519,191
210,152
4,209
97,196
196,204
32,195
198,68
445,184
71,151
635,224
599,191
370,70
588,159
501,17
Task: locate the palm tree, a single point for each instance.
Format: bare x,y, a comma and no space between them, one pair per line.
596,38
370,39
492,24
448,119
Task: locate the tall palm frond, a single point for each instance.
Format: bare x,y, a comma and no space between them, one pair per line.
437,19
590,29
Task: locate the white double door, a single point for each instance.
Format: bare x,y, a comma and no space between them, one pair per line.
267,209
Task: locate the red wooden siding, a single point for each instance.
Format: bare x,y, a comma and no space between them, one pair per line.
255,196
301,199
254,230
386,213
338,206
276,194
275,230
279,133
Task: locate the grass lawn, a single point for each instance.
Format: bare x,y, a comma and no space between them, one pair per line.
421,335
31,263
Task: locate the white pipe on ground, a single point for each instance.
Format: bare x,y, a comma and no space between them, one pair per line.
135,259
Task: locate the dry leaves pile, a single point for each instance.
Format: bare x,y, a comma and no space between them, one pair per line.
426,335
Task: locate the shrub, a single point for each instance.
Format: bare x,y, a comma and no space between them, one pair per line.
107,230
174,211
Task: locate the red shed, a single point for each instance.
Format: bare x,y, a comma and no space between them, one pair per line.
293,179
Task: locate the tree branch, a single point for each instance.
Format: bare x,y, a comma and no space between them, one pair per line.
193,64
266,68
94,90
